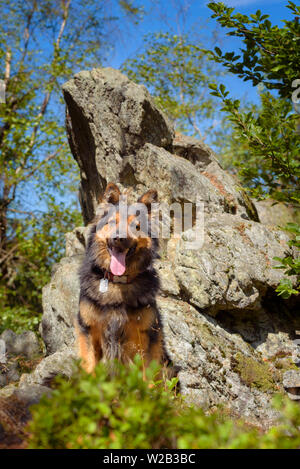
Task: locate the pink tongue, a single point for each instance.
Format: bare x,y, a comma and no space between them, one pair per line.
117,262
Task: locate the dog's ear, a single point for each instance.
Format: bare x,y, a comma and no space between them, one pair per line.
150,197
111,194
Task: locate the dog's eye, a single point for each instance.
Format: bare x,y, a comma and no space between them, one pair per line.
135,225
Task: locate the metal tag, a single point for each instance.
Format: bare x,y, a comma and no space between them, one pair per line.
103,287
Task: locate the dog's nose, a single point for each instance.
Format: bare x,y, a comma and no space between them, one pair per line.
121,240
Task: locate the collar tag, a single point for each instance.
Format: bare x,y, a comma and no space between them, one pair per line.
103,286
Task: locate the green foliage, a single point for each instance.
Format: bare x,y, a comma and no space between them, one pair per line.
268,160
268,135
178,73
271,55
290,265
36,245
17,318
42,45
105,411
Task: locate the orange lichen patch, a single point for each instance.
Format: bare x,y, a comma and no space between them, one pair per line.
178,136
218,185
241,229
268,262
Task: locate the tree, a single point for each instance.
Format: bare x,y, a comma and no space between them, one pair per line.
178,73
42,45
269,133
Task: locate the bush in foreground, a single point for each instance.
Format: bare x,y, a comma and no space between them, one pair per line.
125,411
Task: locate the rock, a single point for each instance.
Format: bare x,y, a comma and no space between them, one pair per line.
8,390
235,266
76,242
117,134
226,330
9,374
109,117
291,383
31,394
26,344
205,161
60,304
193,150
13,374
275,213
208,357
169,284
59,363
3,357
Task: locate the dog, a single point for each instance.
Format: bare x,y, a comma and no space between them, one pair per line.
118,316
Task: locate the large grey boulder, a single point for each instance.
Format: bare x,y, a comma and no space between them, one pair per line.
234,268
108,117
117,134
225,328
26,344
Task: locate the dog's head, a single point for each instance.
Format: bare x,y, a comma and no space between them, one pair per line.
125,241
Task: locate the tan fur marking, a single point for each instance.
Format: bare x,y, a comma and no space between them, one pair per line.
90,350
137,337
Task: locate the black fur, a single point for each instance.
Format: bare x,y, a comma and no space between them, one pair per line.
83,326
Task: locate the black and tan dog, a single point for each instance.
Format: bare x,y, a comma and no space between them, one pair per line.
118,317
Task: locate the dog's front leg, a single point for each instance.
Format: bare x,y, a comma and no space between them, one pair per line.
88,334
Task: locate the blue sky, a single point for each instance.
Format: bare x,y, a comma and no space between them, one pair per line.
163,15
197,21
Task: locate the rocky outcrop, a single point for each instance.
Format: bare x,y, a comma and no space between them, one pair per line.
226,330
109,117
238,357
117,134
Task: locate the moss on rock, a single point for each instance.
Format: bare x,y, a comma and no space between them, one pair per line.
255,374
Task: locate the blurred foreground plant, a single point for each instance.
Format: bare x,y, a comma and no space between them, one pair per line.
124,411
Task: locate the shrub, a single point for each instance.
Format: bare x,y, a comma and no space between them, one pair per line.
125,411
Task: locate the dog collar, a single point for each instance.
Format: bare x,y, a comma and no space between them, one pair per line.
117,278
